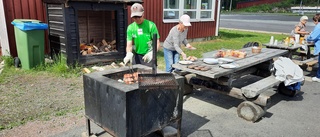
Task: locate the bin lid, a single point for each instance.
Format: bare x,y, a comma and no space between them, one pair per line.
26,21
29,24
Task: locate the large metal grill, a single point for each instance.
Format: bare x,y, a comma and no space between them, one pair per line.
128,111
157,81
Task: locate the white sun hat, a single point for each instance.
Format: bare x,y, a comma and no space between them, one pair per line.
185,20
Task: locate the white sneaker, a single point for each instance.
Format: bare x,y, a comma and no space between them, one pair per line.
315,79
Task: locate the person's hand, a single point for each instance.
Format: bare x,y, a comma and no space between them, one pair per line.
184,56
128,58
190,47
148,57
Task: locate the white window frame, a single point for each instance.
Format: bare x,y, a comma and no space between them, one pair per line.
197,10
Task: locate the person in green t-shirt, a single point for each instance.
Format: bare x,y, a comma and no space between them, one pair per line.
139,34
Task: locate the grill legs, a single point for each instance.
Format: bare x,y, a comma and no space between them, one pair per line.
179,128
88,127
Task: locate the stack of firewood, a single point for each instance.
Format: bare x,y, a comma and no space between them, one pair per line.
100,47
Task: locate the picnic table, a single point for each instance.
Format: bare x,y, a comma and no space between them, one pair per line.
310,59
292,49
221,79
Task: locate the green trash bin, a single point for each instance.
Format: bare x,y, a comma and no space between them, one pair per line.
29,41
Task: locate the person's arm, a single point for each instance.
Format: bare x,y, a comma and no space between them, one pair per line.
186,43
158,45
297,30
129,39
175,37
129,46
154,29
315,35
129,54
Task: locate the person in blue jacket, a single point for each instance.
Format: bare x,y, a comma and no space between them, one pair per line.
315,37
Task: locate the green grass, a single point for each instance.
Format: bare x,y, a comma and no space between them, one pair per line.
227,39
57,67
29,100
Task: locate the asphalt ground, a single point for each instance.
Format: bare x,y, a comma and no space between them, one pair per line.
210,114
274,23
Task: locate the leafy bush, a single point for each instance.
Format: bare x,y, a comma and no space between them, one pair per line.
278,7
59,67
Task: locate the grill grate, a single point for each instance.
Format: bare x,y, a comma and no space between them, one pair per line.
157,81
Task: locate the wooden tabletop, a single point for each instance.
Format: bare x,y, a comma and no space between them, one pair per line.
242,63
283,46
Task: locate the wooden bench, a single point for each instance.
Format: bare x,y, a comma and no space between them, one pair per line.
255,89
304,62
310,64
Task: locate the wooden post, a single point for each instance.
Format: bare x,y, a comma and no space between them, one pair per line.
317,6
188,88
249,111
230,5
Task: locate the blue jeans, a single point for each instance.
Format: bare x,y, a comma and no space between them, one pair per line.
170,57
318,71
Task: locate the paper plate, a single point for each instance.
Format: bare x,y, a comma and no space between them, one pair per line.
185,62
228,66
226,60
210,60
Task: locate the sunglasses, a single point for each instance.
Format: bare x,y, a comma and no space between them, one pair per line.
136,17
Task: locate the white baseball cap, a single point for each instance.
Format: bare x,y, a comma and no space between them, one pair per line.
185,20
136,10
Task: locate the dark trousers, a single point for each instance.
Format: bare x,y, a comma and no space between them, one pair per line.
138,60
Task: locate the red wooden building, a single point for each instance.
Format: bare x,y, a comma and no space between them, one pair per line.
165,13
204,16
